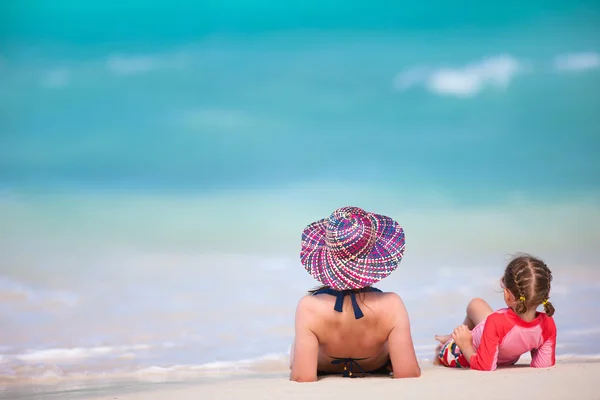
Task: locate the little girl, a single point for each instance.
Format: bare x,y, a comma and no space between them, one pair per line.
489,339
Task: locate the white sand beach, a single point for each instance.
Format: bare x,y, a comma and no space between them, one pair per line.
564,381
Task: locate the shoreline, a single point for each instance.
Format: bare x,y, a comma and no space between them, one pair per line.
563,381
559,382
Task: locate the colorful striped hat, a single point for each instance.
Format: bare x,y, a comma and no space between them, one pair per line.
352,248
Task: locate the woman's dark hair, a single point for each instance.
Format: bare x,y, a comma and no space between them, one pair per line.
312,291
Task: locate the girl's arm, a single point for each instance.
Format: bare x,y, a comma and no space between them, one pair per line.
545,355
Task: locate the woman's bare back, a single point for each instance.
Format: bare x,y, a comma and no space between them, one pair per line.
381,335
341,335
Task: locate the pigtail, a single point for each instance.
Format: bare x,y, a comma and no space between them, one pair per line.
548,308
521,307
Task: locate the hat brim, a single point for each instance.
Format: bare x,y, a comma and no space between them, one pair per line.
356,273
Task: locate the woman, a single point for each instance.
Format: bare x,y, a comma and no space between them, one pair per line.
347,326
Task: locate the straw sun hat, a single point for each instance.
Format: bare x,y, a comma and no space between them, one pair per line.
352,248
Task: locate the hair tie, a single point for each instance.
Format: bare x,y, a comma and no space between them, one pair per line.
522,298
545,302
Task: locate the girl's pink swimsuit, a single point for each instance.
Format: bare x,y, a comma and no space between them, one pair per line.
503,337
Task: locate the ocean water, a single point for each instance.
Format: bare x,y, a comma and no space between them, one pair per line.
159,160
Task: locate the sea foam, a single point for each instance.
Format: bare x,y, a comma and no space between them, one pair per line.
466,81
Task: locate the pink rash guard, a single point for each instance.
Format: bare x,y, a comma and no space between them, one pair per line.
503,337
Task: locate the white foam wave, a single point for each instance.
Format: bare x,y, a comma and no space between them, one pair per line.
31,373
77,353
577,61
269,363
41,372
463,82
246,364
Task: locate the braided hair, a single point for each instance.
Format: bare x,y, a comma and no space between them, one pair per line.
529,280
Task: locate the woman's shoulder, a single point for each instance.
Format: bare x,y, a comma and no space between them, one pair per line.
392,305
391,297
307,302
314,305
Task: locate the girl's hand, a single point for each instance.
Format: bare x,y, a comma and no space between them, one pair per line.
462,337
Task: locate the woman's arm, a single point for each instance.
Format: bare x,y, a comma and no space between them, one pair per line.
306,346
402,350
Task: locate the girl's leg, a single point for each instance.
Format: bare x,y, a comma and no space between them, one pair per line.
477,311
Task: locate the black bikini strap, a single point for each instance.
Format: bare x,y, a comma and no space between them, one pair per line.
349,364
339,302
358,314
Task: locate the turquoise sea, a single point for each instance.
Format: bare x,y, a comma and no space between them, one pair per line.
159,160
